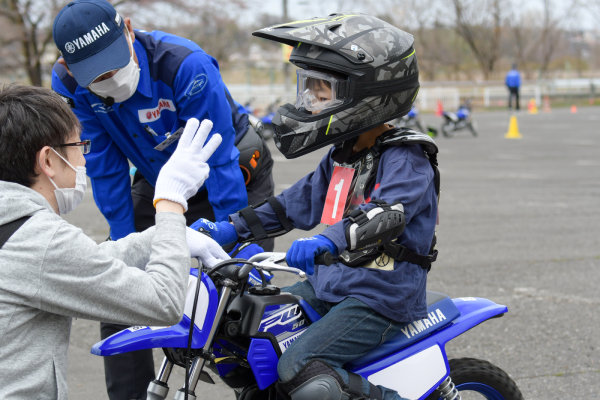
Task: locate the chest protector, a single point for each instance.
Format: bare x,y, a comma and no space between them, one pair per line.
362,185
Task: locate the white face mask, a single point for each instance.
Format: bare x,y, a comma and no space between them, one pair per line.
121,85
69,198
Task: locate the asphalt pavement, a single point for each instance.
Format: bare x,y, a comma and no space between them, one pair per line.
519,224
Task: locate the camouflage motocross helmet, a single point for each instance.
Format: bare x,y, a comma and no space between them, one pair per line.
375,69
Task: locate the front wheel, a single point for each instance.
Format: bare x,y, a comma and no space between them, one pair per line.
473,128
479,379
446,129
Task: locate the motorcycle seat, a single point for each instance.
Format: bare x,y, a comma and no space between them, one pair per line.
441,311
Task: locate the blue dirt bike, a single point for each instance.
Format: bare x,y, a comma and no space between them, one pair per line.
410,120
460,120
237,328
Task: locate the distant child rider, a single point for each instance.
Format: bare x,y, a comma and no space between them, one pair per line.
376,188
52,272
132,92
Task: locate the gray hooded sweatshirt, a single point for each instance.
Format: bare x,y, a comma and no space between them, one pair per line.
50,271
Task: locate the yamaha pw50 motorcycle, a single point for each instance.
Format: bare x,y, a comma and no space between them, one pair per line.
237,326
461,119
410,120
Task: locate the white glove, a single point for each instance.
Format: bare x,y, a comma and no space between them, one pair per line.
186,170
201,246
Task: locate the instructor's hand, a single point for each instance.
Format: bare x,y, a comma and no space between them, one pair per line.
186,170
201,246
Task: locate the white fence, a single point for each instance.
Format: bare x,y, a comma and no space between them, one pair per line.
449,95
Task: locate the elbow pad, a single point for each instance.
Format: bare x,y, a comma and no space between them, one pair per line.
376,227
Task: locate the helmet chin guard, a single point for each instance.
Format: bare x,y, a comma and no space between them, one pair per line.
369,66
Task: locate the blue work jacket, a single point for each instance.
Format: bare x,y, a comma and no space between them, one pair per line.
513,79
178,81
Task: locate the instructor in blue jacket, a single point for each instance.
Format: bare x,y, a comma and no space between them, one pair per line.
132,91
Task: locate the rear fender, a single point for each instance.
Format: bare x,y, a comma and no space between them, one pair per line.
416,371
148,337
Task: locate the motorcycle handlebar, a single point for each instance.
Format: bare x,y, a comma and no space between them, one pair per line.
325,258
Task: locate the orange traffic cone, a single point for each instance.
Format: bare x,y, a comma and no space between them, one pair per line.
573,109
440,110
547,104
513,129
532,107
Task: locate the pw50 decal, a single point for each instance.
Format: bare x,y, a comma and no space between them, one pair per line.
286,322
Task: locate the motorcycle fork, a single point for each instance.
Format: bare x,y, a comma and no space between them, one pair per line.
158,388
198,362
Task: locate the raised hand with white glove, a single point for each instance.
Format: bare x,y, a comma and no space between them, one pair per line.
186,170
201,246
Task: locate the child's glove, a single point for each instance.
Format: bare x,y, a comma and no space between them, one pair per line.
303,251
223,232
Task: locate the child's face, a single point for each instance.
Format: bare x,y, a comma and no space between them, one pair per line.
321,90
317,91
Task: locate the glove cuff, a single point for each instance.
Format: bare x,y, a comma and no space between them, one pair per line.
332,248
176,198
227,233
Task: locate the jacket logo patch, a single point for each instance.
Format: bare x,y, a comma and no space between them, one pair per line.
152,114
197,85
101,108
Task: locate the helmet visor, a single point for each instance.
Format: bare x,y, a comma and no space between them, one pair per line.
318,91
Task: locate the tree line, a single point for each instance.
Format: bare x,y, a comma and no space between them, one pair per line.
455,39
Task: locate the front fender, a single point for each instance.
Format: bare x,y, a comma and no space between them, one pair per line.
149,337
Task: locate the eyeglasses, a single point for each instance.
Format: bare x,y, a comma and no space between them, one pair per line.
85,145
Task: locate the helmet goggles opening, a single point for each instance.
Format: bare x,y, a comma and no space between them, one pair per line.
318,91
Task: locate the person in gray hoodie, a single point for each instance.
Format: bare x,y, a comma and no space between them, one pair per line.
50,271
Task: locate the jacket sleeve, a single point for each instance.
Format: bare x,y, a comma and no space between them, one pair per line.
106,166
303,202
81,279
200,93
134,249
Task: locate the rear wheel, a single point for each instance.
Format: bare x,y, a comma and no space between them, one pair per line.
479,379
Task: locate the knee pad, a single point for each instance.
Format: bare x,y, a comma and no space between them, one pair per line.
318,380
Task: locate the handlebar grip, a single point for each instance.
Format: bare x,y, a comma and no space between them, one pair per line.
325,258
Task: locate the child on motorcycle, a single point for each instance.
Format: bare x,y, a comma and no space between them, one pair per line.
376,189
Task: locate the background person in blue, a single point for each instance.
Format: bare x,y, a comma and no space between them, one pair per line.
132,91
513,84
376,188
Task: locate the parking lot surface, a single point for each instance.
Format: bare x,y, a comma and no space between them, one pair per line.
519,224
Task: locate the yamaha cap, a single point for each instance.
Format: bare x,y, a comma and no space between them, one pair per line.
89,34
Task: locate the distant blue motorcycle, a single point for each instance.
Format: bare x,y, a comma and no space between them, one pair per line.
461,119
237,328
410,120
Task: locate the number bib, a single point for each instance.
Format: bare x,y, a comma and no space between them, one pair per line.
337,195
